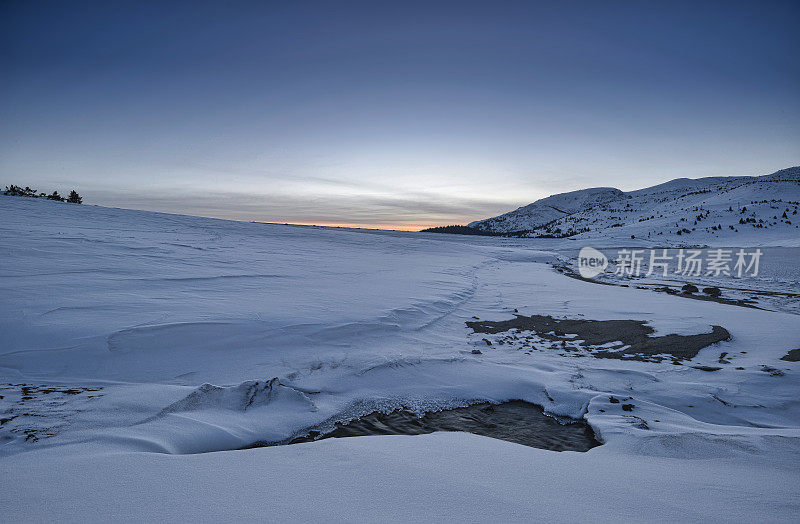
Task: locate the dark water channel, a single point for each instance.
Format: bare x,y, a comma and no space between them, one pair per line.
514,421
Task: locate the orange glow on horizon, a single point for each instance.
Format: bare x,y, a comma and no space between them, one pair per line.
385,227
396,227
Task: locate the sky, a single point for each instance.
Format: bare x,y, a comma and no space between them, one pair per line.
389,114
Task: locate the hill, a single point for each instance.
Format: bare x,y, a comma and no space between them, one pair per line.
742,210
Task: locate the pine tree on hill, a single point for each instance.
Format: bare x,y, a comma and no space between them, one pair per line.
74,197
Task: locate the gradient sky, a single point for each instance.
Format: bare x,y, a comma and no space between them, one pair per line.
389,114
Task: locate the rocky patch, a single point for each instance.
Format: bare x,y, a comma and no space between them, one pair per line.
617,339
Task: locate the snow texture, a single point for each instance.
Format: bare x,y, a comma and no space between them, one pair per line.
142,351
714,211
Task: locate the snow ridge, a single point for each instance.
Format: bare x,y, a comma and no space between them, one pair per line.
548,209
248,394
739,210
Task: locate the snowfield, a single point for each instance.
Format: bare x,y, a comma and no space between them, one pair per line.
141,351
713,211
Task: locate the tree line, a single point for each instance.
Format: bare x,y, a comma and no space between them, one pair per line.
72,198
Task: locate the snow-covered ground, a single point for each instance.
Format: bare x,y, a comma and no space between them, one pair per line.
775,286
713,211
141,351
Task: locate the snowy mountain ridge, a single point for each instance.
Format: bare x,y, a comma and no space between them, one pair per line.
751,210
548,209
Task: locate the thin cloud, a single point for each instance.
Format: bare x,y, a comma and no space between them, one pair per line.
368,210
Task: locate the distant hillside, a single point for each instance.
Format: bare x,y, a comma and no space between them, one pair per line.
752,210
548,209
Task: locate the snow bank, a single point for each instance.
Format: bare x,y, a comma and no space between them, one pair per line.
183,336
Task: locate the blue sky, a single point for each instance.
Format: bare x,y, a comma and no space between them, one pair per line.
389,114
